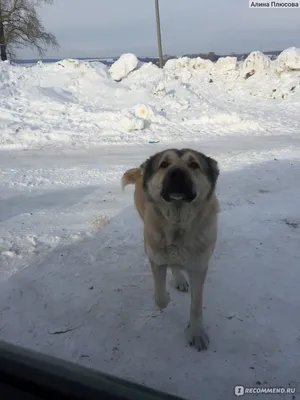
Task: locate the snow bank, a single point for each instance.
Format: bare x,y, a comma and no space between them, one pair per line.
186,62
256,62
83,67
85,103
129,122
176,63
227,63
123,66
9,77
201,63
288,60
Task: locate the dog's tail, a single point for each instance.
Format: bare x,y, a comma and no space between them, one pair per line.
131,176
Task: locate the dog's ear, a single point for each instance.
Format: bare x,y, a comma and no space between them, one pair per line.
145,172
143,165
213,170
147,168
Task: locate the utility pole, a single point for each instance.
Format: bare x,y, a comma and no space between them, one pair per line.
3,55
160,53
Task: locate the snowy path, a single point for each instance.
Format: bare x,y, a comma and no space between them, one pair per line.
85,292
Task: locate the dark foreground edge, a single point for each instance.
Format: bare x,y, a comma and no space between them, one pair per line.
29,375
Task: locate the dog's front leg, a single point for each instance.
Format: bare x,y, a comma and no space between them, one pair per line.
159,273
196,334
180,282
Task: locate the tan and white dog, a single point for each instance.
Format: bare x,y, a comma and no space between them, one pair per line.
175,197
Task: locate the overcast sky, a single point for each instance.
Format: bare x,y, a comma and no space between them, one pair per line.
103,28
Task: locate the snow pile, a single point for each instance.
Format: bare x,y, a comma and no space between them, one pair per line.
123,66
200,63
80,103
9,77
84,68
160,89
256,62
127,121
176,63
69,72
186,62
227,63
146,79
288,60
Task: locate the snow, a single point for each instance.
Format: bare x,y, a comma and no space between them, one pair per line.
288,60
227,63
75,282
256,62
123,66
78,104
186,62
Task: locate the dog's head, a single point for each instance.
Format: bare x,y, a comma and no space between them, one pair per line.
179,176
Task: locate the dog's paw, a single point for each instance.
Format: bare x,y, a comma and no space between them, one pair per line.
197,337
181,283
182,286
163,300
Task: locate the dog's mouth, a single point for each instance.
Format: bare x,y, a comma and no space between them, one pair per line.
178,186
177,196
180,197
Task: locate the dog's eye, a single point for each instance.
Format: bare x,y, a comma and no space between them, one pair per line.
194,165
164,164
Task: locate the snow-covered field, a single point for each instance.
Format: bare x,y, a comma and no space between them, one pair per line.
74,281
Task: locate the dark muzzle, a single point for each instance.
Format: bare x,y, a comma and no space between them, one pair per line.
178,186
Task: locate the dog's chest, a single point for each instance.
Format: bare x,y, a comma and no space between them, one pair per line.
178,242
176,248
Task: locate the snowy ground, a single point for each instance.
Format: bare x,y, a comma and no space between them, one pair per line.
74,279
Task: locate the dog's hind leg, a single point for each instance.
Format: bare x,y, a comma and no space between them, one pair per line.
159,273
180,281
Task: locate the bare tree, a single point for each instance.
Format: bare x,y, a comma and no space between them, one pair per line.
20,26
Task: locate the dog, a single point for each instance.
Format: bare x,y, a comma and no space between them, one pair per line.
175,196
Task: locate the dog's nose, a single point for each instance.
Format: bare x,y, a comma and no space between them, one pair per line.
177,174
177,186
